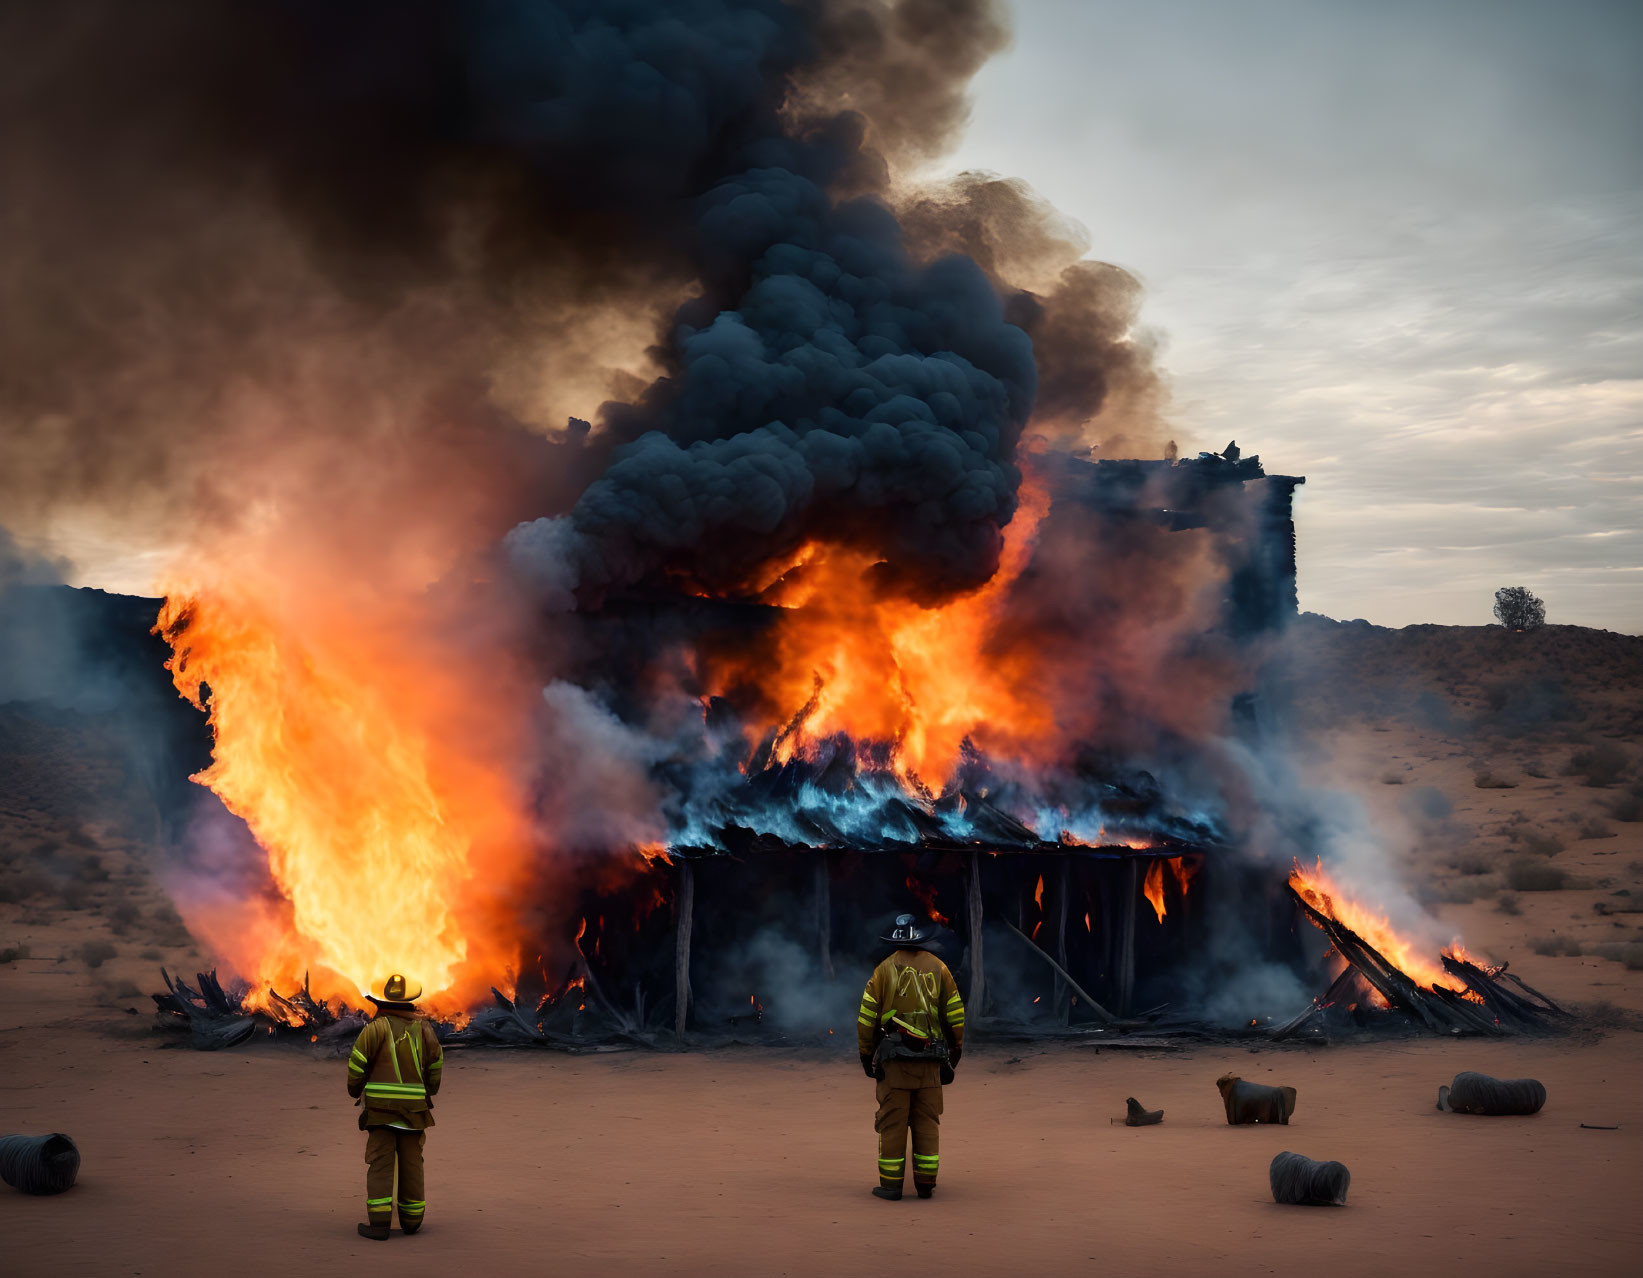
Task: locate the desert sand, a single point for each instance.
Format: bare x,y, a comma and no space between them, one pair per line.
1503,816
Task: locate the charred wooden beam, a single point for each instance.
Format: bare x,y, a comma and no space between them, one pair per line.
1440,1010
302,1009
824,916
1126,934
215,1019
1033,945
1063,1002
978,987
1337,988
1530,1007
681,948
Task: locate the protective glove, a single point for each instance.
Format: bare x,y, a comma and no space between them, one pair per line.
953,1053
867,1065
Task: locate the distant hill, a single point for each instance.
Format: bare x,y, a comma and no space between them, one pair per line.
87,707
1565,680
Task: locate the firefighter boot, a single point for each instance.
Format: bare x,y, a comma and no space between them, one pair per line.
885,1192
926,1191
376,1233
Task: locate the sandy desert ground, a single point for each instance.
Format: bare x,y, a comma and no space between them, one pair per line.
1505,778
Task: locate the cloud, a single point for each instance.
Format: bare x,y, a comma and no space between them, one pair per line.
1392,249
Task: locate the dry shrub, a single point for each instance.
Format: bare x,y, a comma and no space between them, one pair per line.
1556,946
124,916
1473,863
1535,876
12,953
1508,904
1461,892
1628,952
1600,765
168,928
1628,807
1595,829
1542,844
95,953
18,888
1392,778
151,956
73,896
1489,781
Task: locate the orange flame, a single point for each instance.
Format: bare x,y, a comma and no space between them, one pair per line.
339,747
1154,889
926,895
1038,893
1323,894
1135,842
887,669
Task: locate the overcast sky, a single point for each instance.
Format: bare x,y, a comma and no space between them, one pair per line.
1392,246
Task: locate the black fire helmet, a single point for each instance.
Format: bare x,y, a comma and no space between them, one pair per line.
909,932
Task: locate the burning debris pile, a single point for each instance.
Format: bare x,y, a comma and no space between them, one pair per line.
1383,973
217,1017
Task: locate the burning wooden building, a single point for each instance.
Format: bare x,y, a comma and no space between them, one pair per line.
1072,883
1083,849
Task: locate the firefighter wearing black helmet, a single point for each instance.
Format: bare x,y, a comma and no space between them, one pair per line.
910,1030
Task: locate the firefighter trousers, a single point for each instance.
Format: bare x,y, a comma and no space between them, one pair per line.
900,1108
384,1146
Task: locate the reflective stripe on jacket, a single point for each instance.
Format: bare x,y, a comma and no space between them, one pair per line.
395,1065
915,987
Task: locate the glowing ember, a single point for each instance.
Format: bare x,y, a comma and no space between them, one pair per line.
1135,843
1038,893
1321,892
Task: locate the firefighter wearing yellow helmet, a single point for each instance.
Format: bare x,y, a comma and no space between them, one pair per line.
910,1030
394,1069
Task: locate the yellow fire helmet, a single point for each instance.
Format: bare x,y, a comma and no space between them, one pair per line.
396,990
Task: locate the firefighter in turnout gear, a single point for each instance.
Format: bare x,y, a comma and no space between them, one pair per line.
395,1069
911,1033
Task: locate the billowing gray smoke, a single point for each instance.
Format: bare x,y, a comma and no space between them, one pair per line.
480,187
849,395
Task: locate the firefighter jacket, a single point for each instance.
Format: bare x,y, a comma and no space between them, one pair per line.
915,988
395,1066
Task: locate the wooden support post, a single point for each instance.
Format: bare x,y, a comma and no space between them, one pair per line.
824,916
681,947
1063,996
1126,938
978,988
